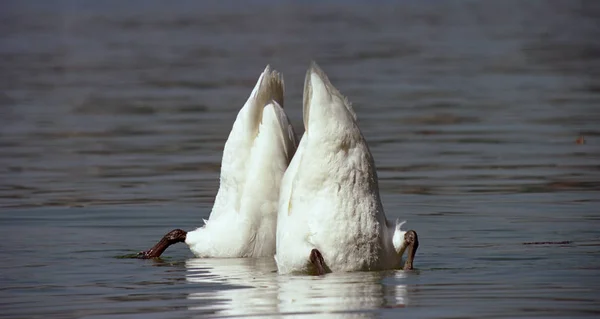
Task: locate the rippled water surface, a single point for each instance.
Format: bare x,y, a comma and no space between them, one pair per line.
113,117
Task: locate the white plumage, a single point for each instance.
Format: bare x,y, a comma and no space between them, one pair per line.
329,199
257,152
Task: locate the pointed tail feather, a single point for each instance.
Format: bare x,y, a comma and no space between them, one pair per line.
316,79
286,133
270,86
237,149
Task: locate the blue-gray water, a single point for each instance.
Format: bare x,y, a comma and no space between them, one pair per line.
113,117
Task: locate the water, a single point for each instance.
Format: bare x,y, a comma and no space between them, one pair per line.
113,117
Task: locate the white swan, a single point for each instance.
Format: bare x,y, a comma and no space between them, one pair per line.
330,213
257,152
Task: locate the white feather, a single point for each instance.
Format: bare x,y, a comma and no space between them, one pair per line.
329,196
257,152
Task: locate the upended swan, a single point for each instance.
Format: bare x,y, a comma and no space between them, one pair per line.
330,213
257,152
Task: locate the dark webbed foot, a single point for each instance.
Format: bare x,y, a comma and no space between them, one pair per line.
174,236
144,254
317,259
411,241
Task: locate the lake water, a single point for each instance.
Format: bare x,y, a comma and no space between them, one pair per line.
113,117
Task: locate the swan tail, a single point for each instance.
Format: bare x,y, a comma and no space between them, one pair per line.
275,116
270,156
241,140
270,86
318,90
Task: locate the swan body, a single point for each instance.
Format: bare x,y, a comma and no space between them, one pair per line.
330,213
258,150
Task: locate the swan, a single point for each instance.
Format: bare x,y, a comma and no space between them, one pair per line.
330,213
258,150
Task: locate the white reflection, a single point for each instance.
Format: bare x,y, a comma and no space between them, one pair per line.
256,291
245,286
338,295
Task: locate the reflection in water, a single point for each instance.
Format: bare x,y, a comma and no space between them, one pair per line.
339,293
253,287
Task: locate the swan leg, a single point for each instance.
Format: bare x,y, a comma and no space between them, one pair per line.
412,242
172,237
317,260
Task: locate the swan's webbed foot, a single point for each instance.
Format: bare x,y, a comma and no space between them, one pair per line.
411,241
317,260
172,237
144,254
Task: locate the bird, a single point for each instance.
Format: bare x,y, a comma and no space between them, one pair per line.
330,217
258,150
